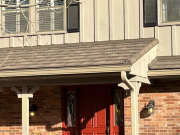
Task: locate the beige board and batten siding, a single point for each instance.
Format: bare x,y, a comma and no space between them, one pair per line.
104,20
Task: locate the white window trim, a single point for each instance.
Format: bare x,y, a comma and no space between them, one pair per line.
160,23
33,16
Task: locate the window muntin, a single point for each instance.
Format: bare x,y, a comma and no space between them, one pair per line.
170,11
48,17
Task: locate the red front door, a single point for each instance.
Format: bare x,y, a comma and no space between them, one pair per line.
94,110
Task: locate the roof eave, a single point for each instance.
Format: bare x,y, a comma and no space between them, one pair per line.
64,71
168,73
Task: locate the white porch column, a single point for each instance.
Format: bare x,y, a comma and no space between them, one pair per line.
134,105
25,114
25,95
134,108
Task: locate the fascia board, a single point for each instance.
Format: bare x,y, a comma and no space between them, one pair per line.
156,73
65,71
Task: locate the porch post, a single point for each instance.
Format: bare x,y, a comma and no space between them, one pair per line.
134,108
25,95
25,114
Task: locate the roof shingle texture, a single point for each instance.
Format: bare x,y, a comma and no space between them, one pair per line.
124,52
165,62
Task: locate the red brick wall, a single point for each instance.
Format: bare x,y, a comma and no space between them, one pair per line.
166,119
48,116
127,115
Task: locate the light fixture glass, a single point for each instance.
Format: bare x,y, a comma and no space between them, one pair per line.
151,106
32,113
32,110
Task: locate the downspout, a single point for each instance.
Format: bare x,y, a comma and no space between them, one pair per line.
134,103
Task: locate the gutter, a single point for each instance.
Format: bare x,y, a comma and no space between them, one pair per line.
163,73
64,71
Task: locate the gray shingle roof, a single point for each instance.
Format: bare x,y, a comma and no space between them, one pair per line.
124,52
165,62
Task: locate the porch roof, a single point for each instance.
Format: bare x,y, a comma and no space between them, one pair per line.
165,62
165,66
98,55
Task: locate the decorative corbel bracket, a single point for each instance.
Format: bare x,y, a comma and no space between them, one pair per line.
25,91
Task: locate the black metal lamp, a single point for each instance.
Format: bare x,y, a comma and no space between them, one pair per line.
32,110
150,107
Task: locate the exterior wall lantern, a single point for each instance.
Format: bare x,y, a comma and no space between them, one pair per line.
32,110
151,107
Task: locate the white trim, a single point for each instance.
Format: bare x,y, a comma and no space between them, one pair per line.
140,67
63,71
27,95
155,73
25,114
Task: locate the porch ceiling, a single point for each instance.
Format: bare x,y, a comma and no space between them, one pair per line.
98,57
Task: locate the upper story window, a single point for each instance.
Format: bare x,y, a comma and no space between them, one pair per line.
40,16
161,12
170,10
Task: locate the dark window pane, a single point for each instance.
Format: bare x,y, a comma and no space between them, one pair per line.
73,17
150,12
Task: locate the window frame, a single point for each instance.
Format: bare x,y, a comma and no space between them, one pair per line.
33,16
160,16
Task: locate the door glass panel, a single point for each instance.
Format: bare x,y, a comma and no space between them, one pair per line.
70,109
118,106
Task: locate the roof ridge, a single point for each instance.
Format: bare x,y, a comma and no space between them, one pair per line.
140,53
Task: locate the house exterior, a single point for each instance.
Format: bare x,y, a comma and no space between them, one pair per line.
90,67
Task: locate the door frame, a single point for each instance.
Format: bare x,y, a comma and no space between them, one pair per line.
112,87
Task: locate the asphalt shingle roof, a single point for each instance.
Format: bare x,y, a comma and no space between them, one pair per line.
124,52
165,62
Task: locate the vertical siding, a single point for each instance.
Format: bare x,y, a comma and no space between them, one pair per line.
148,32
101,20
31,40
164,36
116,19
177,40
16,42
44,40
87,21
132,19
72,37
57,39
4,42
